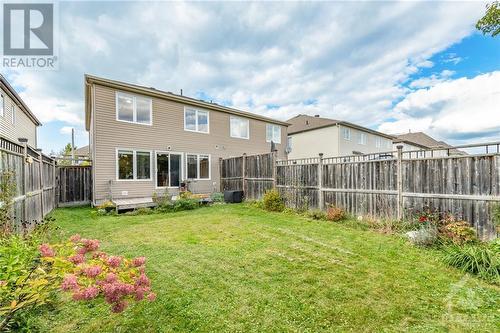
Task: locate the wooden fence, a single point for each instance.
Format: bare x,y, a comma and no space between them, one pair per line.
391,185
34,178
74,185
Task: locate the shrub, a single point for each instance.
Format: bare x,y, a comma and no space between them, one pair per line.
161,201
217,197
317,215
335,213
459,232
185,204
480,259
185,195
7,193
273,201
495,216
107,205
141,211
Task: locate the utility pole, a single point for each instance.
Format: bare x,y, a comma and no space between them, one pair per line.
72,146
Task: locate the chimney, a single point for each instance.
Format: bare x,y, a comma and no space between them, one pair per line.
316,115
181,92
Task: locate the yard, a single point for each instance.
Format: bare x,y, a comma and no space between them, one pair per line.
235,268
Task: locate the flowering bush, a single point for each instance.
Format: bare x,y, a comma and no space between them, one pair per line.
459,232
88,274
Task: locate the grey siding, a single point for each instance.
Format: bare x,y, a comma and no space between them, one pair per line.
23,127
167,131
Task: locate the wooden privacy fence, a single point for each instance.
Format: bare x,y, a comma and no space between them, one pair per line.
390,185
74,185
34,178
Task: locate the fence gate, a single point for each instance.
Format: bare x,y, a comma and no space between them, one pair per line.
74,185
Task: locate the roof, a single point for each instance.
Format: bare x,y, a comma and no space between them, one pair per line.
18,100
82,151
149,91
303,123
421,139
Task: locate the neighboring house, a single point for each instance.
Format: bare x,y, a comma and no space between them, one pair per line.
426,145
16,119
82,152
145,141
308,136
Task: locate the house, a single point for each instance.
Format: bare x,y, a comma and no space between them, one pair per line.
16,119
425,145
145,141
308,136
82,152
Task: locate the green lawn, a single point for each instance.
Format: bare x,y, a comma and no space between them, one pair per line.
234,268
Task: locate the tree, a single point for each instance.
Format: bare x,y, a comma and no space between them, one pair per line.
489,24
65,153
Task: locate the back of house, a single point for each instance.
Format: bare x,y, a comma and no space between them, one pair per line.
16,119
145,141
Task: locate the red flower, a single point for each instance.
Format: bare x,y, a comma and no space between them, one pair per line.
422,219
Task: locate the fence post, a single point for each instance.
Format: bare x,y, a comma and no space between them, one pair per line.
399,171
321,200
221,186
41,182
243,174
55,185
274,161
25,177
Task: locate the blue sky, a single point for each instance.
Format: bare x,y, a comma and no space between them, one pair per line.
395,67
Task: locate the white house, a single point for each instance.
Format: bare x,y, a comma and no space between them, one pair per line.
308,136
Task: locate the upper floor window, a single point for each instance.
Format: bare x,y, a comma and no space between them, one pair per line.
13,109
196,120
388,144
133,109
239,128
133,165
362,138
273,133
2,112
378,142
289,144
346,133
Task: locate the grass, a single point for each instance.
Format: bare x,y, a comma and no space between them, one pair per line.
234,268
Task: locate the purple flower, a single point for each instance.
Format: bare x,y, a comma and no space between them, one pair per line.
139,261
77,259
92,271
114,261
143,281
91,244
119,306
75,238
151,297
69,282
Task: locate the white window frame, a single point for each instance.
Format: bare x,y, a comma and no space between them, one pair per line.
186,108
289,144
134,165
248,128
134,108
346,130
2,107
378,142
388,143
198,166
272,131
362,135
13,110
156,166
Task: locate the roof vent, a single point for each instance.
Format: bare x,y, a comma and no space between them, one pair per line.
316,115
307,122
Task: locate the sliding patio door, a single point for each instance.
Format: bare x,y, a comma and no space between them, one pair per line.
168,169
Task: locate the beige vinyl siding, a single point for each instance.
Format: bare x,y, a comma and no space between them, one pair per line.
23,127
167,131
348,147
311,143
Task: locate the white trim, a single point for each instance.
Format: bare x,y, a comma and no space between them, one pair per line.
13,110
344,131
248,128
198,166
272,132
134,165
181,167
134,108
2,109
196,110
362,135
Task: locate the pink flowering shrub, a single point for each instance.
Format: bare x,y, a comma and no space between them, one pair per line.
89,274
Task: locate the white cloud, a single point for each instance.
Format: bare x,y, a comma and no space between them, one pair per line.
458,109
432,80
344,60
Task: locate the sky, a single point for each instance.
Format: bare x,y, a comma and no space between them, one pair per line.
393,67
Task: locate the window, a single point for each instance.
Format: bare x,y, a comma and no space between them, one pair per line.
273,133
13,109
347,133
362,138
388,144
133,109
168,169
198,166
133,165
378,142
239,128
2,112
196,120
289,144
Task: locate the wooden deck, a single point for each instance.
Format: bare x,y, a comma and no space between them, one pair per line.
133,203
